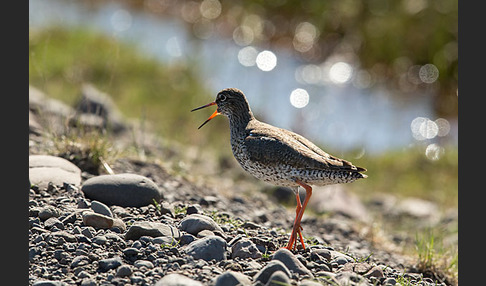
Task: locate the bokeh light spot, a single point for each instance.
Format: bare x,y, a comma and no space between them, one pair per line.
266,60
210,9
434,152
247,56
428,73
299,98
340,72
243,35
444,127
423,128
305,36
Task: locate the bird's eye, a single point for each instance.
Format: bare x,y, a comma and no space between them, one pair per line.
222,97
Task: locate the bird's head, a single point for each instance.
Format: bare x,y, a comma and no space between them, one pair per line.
230,102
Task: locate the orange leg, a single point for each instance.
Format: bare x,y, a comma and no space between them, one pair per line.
296,230
293,235
299,228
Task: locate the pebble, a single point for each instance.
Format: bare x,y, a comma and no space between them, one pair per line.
278,278
177,280
351,278
109,263
101,208
266,272
231,278
195,223
207,248
45,169
143,263
53,222
48,212
291,262
123,271
245,248
126,190
97,220
153,229
79,261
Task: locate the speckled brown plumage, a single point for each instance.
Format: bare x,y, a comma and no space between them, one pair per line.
279,156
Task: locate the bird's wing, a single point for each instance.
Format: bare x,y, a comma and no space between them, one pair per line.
274,145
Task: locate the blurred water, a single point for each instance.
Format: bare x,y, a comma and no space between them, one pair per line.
340,116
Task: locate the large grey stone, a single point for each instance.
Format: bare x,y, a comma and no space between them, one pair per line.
207,248
46,168
291,262
153,229
126,190
195,223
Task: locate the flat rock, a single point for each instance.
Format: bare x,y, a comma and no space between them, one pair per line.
153,229
45,168
175,279
291,262
97,220
207,248
126,190
195,223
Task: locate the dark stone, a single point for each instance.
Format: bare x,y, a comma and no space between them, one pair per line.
126,190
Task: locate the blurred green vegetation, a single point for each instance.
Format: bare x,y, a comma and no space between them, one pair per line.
409,173
60,61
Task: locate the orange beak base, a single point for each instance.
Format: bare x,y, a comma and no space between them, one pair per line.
216,113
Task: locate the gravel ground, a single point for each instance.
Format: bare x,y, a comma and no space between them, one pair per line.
191,235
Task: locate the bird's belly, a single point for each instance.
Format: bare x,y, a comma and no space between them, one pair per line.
285,175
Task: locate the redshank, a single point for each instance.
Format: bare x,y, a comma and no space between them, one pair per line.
279,156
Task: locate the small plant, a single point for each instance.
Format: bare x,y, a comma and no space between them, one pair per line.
157,206
174,243
404,281
266,255
89,150
434,259
180,210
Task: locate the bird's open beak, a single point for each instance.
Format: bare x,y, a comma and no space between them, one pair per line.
210,117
